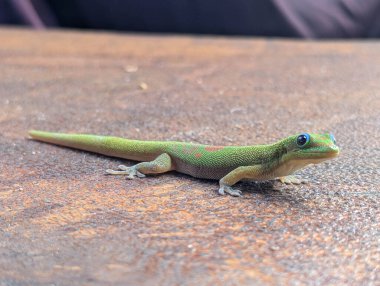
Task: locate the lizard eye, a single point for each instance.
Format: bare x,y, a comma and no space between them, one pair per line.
303,139
333,139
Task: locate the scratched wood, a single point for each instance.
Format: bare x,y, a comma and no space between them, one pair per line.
63,222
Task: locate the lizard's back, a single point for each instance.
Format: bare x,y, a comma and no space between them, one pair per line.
197,160
213,162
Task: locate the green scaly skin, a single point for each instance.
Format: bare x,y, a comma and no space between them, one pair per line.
228,164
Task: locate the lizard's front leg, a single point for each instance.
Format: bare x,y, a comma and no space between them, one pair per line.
244,172
161,164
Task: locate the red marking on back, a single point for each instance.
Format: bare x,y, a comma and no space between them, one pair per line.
213,148
198,155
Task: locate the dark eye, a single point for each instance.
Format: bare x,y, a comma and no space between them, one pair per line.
303,139
333,139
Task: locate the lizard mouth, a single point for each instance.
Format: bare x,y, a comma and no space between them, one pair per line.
321,155
331,153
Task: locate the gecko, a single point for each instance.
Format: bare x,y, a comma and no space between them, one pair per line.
228,164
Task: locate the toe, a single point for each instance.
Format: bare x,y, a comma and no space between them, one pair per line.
130,177
140,175
296,181
234,193
221,191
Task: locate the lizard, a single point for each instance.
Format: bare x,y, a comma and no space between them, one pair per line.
228,164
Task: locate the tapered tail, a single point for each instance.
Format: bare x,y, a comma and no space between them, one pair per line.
111,146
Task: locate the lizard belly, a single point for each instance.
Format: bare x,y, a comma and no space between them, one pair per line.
203,172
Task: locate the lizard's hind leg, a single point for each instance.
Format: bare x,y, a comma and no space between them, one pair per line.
161,164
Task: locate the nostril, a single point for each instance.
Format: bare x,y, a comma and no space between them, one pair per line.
336,148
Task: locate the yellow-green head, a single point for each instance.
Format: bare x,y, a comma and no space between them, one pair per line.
310,148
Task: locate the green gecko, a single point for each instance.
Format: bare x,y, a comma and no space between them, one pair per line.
228,164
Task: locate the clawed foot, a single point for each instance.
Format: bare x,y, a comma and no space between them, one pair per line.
292,180
226,189
131,172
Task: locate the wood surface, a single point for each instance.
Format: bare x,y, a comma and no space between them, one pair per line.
63,222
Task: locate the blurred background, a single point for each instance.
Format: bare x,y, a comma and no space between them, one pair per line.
271,18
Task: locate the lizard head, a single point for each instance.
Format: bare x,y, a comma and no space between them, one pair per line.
308,148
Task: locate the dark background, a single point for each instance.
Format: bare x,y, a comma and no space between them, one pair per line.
273,18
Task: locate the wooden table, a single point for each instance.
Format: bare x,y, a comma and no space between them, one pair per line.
63,222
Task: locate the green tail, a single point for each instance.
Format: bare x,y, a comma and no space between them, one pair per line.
111,146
